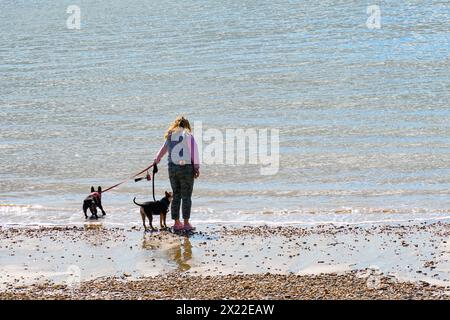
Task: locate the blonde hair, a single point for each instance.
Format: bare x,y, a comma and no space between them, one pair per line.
180,122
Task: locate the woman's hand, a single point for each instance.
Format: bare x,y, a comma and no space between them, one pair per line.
196,173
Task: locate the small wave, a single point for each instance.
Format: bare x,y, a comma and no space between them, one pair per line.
322,192
36,214
323,222
337,211
29,207
14,209
15,205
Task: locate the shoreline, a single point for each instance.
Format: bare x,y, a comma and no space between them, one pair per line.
379,261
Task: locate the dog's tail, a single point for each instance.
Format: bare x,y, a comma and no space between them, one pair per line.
134,200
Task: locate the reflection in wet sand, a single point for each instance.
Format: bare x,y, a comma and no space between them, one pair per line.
174,248
182,254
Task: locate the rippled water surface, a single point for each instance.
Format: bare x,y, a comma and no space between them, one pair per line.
363,114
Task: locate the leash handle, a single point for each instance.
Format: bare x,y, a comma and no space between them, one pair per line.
155,170
118,184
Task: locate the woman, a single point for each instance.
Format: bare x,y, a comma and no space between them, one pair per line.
183,168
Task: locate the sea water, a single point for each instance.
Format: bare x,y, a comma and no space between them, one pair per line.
362,110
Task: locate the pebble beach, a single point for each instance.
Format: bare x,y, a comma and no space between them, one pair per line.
241,287
385,261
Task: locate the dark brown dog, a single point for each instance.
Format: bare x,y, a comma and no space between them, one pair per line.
155,208
93,201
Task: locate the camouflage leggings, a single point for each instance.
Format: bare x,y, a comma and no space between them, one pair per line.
182,182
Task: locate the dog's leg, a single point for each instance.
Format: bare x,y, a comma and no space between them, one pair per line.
164,219
161,222
95,211
143,218
85,207
150,218
101,208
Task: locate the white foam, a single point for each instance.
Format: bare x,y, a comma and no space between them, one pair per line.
38,214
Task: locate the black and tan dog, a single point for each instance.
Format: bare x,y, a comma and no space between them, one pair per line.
93,201
155,208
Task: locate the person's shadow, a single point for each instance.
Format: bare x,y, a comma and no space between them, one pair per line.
181,254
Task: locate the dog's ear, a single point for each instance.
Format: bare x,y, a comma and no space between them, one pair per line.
92,189
168,194
99,189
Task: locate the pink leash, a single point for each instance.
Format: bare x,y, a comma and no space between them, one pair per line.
116,185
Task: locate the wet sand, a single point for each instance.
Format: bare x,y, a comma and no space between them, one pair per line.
389,261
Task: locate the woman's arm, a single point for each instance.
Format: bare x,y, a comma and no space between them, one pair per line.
193,151
196,155
161,153
195,159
